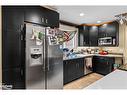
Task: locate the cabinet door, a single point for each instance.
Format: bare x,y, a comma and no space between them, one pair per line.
52,18
12,17
103,65
72,66
86,35
35,14
93,36
112,29
102,31
65,72
108,30
80,68
13,20
83,36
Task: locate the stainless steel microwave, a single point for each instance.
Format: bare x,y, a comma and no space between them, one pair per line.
106,41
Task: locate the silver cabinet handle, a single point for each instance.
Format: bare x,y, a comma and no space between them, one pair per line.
21,72
21,30
43,55
21,27
46,21
48,66
42,20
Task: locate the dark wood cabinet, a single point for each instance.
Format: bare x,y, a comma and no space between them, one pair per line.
83,36
12,50
52,18
103,65
73,69
102,31
109,30
35,14
12,18
89,35
42,16
65,74
80,68
93,36
14,77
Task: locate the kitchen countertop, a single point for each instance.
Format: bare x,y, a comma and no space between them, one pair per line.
115,80
90,55
123,67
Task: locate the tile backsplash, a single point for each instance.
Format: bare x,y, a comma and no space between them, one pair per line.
109,49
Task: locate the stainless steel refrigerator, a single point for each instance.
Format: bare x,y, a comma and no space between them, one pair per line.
44,57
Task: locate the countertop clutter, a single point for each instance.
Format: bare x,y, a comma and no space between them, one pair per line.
90,55
115,80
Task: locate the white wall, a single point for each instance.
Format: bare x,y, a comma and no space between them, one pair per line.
125,44
0,48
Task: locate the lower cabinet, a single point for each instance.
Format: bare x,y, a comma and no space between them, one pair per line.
103,65
13,78
73,69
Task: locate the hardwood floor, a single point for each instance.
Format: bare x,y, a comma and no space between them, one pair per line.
83,82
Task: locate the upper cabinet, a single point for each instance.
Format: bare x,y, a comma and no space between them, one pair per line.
83,36
109,30
42,16
52,18
35,14
89,35
12,26
93,36
13,18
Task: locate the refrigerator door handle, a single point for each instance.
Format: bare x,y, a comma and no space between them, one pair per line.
21,72
43,58
47,64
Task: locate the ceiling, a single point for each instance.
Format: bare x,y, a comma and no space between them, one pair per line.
91,13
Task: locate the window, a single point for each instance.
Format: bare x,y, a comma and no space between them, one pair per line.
73,43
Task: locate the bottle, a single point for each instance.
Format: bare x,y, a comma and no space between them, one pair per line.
114,41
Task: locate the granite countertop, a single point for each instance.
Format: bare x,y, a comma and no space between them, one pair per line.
110,55
90,55
115,80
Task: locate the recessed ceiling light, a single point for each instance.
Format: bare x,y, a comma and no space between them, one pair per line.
105,24
98,21
81,14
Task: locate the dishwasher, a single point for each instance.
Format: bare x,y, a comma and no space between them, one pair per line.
88,66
